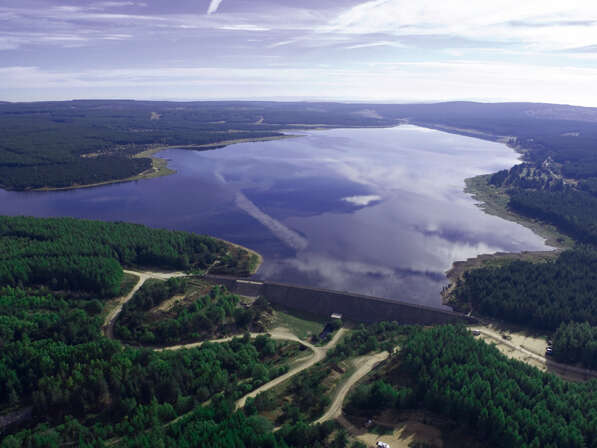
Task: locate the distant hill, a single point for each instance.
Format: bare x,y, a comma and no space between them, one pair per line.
61,144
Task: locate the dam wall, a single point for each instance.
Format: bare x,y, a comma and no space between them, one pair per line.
353,307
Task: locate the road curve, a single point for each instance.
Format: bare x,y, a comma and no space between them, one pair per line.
110,320
319,353
369,362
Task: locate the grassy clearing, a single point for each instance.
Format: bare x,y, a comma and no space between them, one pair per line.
301,324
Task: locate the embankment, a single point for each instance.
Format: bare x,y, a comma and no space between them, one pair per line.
353,307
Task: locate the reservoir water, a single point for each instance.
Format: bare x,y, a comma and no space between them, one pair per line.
374,211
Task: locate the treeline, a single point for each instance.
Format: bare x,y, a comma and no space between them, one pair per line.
93,274
540,295
212,315
505,402
220,427
576,342
83,171
378,336
57,144
572,211
121,386
65,253
39,315
86,390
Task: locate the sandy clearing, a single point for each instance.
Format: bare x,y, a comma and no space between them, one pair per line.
405,435
516,349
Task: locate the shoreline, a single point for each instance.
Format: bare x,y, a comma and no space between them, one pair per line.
159,165
494,201
260,259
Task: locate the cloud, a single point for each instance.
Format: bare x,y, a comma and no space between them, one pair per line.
417,81
383,43
282,232
213,6
552,25
362,201
243,27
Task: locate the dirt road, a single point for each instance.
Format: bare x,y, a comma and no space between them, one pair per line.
108,326
280,333
564,370
319,353
366,364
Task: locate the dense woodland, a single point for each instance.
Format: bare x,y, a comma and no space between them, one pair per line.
78,386
59,144
576,342
308,394
87,255
541,295
207,316
83,389
504,402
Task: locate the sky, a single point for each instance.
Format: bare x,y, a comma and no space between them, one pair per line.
348,50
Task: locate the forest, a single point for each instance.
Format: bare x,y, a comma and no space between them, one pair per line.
60,144
307,395
504,402
207,316
62,250
539,295
571,211
576,342
77,386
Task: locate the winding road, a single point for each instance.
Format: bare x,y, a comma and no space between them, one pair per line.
280,333
108,326
319,353
366,364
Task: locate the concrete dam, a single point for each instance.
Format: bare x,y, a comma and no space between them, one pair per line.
353,307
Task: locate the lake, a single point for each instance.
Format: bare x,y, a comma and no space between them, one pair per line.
376,211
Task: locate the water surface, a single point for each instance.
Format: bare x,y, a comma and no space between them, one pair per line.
375,211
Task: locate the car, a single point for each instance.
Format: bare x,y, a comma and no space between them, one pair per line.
549,351
382,444
476,332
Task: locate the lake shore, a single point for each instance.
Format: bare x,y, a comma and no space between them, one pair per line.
159,165
255,269
494,201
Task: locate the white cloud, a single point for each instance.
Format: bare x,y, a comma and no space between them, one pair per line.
383,43
213,6
362,201
424,81
552,24
243,27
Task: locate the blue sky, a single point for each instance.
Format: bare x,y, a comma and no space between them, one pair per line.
378,50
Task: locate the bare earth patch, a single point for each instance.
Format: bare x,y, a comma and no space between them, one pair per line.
405,434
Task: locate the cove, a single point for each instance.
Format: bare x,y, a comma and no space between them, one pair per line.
377,211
